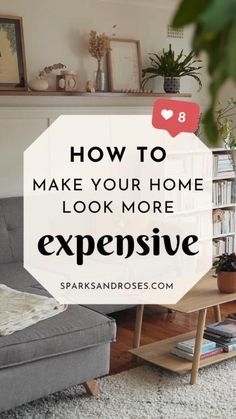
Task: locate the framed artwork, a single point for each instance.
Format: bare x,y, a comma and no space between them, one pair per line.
12,54
124,65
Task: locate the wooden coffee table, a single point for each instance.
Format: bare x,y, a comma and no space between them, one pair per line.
202,296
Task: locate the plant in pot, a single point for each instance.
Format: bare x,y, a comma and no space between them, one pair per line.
225,112
172,68
225,267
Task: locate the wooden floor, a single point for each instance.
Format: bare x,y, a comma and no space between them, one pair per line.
158,324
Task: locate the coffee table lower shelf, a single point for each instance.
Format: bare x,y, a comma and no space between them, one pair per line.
158,353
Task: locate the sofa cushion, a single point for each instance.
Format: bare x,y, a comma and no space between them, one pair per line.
11,229
109,308
15,276
75,329
5,248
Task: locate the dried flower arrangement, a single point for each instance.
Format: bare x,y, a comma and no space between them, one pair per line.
98,48
50,68
98,45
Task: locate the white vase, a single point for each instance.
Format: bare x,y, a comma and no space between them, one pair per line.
38,84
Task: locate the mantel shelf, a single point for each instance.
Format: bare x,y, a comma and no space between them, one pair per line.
86,94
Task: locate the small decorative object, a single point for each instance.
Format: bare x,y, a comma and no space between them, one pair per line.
218,215
124,65
12,54
66,82
40,83
101,81
98,48
226,273
50,68
90,87
172,69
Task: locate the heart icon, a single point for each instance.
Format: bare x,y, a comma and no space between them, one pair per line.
167,113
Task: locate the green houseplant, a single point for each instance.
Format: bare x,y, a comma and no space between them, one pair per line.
172,68
214,23
225,267
225,112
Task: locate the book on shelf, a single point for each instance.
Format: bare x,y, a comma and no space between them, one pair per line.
189,356
223,165
230,347
226,328
223,245
189,345
228,344
223,192
218,338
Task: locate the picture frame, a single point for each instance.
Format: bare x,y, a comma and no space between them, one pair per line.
124,65
12,54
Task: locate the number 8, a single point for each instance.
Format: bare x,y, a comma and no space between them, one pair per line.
182,116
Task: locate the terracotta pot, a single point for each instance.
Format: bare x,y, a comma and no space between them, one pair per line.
227,282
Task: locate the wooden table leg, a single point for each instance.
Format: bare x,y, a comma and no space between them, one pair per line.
198,345
138,326
92,388
217,313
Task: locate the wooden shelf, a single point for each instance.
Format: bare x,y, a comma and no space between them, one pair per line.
158,353
231,205
223,235
86,94
220,150
223,177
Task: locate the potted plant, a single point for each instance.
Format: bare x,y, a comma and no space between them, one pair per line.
225,267
226,125
172,68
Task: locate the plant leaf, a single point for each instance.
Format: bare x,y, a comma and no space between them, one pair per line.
218,14
189,11
231,53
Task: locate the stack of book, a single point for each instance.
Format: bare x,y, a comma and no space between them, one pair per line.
224,245
185,349
226,222
223,165
223,334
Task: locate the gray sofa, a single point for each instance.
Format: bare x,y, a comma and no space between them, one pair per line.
70,348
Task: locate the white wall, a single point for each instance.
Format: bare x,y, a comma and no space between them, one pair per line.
57,31
19,127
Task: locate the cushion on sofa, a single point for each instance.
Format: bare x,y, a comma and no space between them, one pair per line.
11,229
108,308
5,248
75,329
15,276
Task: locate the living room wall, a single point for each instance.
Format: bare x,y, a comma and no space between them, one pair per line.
57,31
